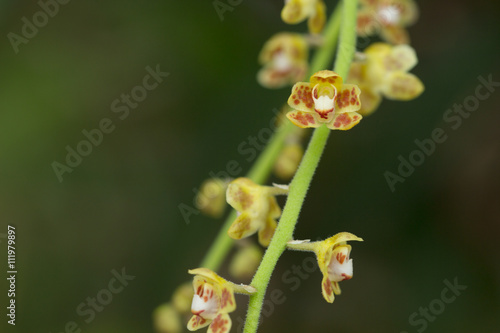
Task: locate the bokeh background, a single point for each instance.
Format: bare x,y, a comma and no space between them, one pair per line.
119,207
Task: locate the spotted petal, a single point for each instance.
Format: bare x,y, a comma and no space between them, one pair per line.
326,77
303,119
221,324
327,289
197,322
241,194
394,35
272,78
402,86
401,58
348,99
293,45
242,227
356,73
370,101
408,11
366,23
301,97
345,121
227,301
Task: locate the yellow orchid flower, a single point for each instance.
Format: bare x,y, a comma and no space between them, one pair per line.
325,100
383,71
388,18
333,260
284,60
296,11
257,208
212,301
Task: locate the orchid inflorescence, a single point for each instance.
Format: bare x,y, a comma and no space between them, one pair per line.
329,100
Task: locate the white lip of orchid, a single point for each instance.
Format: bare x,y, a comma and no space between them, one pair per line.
338,272
324,104
206,309
281,62
389,14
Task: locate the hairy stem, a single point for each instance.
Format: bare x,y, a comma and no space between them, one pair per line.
262,167
301,181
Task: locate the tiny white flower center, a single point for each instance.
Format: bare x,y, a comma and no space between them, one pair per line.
324,99
281,62
205,303
389,15
340,266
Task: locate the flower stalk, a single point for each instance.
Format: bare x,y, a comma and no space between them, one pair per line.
264,164
301,181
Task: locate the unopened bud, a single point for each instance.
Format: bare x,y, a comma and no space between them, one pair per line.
211,198
166,319
245,262
182,297
288,161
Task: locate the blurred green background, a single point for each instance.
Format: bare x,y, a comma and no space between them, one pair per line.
119,207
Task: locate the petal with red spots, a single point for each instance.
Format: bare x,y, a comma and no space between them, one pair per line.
326,77
402,86
348,99
301,97
240,194
221,324
227,302
302,119
272,78
327,290
345,121
370,101
395,35
366,23
401,58
242,227
197,322
408,11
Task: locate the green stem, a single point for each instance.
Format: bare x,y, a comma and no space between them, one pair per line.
262,167
303,177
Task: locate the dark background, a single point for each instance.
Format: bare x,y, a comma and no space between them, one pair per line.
119,207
